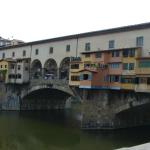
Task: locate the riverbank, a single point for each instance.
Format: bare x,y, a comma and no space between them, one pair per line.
139,147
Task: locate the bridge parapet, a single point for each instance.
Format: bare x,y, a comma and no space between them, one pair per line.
131,104
56,82
36,84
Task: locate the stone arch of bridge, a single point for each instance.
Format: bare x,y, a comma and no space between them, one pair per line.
44,97
36,69
50,68
64,68
134,113
45,86
130,105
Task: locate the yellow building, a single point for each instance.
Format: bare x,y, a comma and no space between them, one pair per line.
143,74
6,66
129,61
74,74
3,70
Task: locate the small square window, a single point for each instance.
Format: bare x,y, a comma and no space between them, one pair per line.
24,53
87,47
125,66
131,66
3,55
85,76
98,55
115,53
26,69
12,66
19,67
67,48
13,54
125,53
36,51
19,76
132,53
51,49
111,44
139,41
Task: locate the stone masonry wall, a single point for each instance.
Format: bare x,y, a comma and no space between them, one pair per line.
108,109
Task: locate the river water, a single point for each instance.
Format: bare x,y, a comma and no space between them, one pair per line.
59,130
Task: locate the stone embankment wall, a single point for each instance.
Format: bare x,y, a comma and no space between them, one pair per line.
10,97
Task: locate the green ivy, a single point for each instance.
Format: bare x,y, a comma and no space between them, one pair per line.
3,73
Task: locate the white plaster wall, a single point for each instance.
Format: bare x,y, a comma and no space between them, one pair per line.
18,52
59,51
122,40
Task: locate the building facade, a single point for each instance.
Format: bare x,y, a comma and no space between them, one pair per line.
112,58
109,69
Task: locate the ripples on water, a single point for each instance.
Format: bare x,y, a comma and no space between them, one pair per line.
59,130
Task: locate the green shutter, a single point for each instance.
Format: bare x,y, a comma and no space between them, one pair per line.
81,77
89,77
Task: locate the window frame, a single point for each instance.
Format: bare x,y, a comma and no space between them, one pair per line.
98,55
13,54
51,50
24,53
37,51
3,55
87,46
111,44
68,47
140,41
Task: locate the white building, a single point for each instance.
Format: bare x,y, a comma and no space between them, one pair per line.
4,42
18,71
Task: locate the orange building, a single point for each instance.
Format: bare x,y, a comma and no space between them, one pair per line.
129,61
115,68
95,71
108,69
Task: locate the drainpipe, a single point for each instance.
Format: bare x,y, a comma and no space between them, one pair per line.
30,63
77,47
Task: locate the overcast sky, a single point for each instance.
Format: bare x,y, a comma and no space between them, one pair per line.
32,20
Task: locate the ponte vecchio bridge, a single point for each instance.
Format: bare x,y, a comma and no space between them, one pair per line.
39,71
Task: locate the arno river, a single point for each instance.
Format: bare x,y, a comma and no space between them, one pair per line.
59,130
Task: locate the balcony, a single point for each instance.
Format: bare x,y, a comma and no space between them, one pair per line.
128,72
128,86
142,87
75,59
74,83
115,85
143,71
85,84
91,69
115,59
